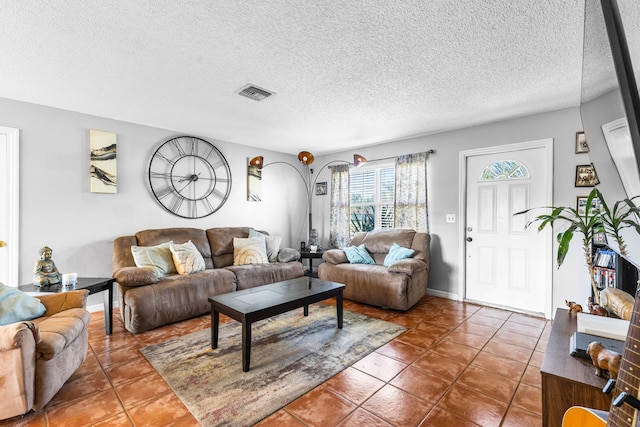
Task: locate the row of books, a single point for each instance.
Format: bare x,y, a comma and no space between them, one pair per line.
605,258
604,278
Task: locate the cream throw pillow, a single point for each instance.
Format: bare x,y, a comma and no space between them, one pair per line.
155,258
272,244
187,258
251,250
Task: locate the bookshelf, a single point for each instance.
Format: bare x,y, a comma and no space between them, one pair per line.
613,270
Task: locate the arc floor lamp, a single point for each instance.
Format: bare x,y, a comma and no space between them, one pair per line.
306,158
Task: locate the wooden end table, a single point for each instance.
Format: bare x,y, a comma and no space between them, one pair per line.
311,256
262,302
93,285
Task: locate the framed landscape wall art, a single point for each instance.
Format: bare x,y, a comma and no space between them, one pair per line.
102,148
586,176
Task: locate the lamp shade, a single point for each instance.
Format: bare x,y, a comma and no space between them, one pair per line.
358,160
257,162
305,157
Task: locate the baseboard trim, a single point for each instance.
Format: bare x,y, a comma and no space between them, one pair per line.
100,307
442,294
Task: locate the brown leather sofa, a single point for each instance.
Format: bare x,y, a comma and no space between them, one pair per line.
38,356
398,286
147,302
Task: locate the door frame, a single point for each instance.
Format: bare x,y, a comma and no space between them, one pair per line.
546,144
12,208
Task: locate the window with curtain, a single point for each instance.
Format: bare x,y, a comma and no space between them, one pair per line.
372,196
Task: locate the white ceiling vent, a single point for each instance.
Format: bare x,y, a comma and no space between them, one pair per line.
255,93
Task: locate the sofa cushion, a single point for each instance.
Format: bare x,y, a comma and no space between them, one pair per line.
250,276
272,244
358,255
288,255
221,242
16,306
396,253
250,250
380,241
155,258
186,258
178,235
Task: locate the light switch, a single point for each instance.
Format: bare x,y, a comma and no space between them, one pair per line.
451,218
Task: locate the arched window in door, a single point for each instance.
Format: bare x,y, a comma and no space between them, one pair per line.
505,169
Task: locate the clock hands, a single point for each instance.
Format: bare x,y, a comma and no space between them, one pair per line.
190,178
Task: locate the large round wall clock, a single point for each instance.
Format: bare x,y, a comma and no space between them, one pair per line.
189,177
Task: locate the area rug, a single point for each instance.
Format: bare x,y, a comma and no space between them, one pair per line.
290,355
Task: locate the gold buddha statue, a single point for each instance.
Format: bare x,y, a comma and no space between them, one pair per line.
45,271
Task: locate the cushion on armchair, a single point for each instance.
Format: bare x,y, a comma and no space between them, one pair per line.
335,256
16,306
408,266
397,253
59,302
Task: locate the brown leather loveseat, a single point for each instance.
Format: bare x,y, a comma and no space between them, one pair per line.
397,286
147,302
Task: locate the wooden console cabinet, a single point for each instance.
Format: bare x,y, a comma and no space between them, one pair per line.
566,380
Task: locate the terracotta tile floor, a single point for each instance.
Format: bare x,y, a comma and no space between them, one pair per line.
457,365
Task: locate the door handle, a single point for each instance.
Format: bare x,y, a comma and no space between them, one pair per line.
469,239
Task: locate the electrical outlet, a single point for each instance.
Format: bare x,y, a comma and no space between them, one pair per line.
451,218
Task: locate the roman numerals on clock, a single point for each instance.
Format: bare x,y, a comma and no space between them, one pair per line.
189,177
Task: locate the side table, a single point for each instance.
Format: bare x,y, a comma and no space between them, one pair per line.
308,255
566,380
93,285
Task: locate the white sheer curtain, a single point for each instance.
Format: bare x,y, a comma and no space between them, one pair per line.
411,192
339,211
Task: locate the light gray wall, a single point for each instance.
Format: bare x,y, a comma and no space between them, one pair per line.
571,281
57,209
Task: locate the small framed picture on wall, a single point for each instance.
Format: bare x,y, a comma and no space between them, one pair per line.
581,143
581,206
586,176
321,188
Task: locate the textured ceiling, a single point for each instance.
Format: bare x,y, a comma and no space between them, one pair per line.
346,73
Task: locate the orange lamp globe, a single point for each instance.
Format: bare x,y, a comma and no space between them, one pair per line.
305,157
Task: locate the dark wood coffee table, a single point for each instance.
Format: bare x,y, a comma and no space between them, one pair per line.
259,303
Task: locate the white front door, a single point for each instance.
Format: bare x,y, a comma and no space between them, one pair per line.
9,206
506,265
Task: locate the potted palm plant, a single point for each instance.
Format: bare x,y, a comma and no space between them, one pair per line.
611,221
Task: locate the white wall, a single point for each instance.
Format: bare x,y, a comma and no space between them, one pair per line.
58,210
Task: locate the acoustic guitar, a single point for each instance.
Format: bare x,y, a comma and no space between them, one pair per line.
625,404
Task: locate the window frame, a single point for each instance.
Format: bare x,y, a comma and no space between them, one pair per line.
377,199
